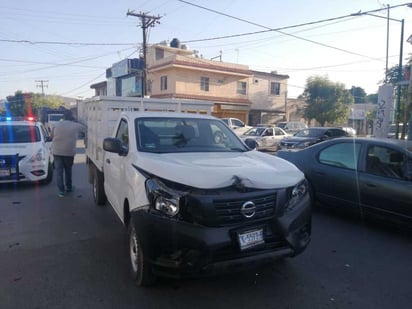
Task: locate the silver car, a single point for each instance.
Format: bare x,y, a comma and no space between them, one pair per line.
266,137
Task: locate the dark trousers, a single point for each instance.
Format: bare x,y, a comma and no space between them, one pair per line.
63,165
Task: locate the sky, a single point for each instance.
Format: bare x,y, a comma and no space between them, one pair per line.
67,45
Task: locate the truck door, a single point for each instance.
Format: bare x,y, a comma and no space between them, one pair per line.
114,165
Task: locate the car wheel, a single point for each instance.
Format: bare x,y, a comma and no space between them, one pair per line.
49,177
99,195
140,268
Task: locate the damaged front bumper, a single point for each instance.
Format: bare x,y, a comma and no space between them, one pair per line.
178,248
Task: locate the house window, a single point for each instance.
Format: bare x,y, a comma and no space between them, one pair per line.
204,83
275,88
163,82
160,53
149,86
241,87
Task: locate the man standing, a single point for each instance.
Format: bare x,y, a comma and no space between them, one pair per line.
65,134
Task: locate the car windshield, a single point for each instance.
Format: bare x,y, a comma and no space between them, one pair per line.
310,132
161,135
254,131
10,134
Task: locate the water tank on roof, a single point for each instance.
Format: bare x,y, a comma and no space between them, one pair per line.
175,43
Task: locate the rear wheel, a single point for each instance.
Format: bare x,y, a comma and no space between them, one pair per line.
98,188
140,268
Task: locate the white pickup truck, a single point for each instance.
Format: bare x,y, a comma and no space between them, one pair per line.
195,198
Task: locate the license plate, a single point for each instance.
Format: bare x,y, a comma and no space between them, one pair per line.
4,172
250,239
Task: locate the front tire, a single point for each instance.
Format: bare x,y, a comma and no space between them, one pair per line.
140,269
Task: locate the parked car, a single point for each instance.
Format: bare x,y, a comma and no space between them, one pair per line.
237,125
266,137
25,153
310,136
393,128
291,127
351,131
365,175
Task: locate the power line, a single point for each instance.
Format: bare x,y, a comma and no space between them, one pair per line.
67,43
268,29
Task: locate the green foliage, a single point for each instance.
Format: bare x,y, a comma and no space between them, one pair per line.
371,115
39,100
23,104
372,98
358,94
327,102
16,104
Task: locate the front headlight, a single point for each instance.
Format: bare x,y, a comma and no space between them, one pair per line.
296,194
162,198
39,156
168,206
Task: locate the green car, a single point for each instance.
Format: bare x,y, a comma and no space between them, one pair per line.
368,176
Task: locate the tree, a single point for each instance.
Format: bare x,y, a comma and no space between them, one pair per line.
393,73
39,100
23,104
326,101
358,94
16,104
372,98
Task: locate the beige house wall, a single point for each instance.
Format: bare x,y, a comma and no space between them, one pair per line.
184,72
261,97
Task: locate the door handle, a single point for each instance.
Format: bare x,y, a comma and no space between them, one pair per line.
108,161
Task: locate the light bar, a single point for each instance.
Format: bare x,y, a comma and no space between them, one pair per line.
10,118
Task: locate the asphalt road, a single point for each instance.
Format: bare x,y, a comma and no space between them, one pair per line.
68,253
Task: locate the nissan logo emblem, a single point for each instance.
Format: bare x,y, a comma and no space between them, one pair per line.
248,209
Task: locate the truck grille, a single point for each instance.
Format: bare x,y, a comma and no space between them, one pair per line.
228,211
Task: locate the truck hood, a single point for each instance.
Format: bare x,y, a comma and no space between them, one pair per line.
218,170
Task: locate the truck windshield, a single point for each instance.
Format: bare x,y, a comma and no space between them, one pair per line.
166,135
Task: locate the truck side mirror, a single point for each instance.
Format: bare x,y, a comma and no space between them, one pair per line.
114,145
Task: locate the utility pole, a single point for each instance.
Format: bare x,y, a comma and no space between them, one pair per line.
146,22
41,84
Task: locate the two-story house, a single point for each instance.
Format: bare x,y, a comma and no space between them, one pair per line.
173,71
